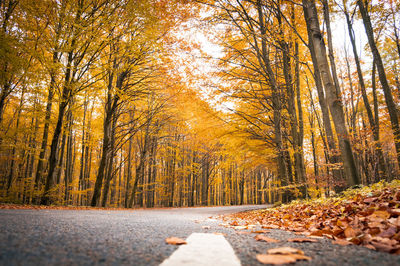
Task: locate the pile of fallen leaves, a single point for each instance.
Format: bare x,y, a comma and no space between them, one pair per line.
369,217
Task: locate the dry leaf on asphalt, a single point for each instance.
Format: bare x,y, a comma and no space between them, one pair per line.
240,227
175,241
275,259
341,242
301,240
206,227
261,231
278,259
243,232
299,257
265,238
285,251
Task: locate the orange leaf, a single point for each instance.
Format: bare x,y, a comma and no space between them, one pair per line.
380,214
243,233
300,240
260,231
234,223
265,238
349,232
300,257
341,242
285,251
175,241
270,226
275,259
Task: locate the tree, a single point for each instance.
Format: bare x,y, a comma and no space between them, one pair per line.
334,101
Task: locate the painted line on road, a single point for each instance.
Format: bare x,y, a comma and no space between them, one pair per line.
203,250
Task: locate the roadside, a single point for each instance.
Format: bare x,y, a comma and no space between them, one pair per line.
368,217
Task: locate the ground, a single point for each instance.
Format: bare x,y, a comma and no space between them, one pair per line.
126,237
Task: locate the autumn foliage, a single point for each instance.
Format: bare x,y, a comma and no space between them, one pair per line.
187,103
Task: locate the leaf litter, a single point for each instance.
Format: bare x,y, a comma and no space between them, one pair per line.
369,217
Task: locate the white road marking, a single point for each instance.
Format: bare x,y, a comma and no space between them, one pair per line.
203,249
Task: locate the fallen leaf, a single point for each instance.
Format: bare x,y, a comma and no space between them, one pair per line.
395,212
260,231
299,257
382,246
175,241
369,200
270,226
380,214
300,240
391,231
206,227
219,234
265,238
341,242
285,251
234,223
275,259
349,232
243,233
240,227
370,246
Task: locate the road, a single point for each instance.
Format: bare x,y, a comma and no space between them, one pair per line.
137,237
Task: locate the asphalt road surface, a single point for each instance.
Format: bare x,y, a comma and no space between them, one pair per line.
137,237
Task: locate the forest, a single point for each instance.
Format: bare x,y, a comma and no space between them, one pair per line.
156,103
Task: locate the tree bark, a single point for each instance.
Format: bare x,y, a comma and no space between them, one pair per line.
334,101
394,119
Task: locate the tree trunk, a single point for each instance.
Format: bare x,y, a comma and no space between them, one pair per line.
103,161
109,174
371,119
382,77
334,101
263,58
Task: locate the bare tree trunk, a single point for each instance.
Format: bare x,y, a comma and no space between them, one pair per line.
263,58
109,173
14,149
83,150
68,171
140,168
382,77
334,101
128,173
371,119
